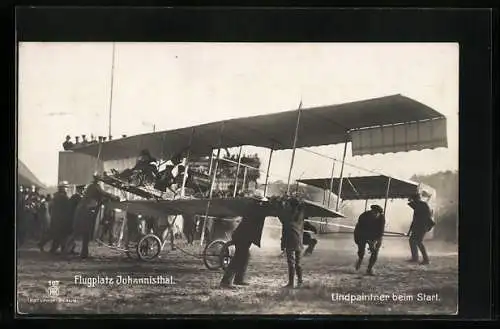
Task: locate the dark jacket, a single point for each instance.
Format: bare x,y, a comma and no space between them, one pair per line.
73,202
60,213
422,217
250,229
292,219
369,227
86,211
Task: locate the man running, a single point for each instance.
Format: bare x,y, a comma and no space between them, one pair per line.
369,231
248,231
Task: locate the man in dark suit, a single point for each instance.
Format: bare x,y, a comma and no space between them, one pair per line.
369,230
421,224
292,217
248,231
60,217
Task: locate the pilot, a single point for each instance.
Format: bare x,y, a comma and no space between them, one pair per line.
421,224
143,163
292,215
166,179
248,232
369,230
145,158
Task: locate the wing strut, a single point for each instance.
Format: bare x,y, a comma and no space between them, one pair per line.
267,172
342,173
237,172
294,147
331,183
184,178
214,174
387,192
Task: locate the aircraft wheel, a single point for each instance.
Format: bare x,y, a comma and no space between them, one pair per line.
227,254
148,247
216,255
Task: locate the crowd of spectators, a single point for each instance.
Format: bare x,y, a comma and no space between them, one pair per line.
32,213
69,144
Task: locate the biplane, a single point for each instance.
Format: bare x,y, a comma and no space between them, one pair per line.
382,125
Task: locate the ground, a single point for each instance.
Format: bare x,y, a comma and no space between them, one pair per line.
195,289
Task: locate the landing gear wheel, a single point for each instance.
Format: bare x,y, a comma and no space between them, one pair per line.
216,255
227,254
149,247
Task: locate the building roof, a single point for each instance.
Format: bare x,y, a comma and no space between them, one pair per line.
25,177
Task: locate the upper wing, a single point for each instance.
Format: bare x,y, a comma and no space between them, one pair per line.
401,117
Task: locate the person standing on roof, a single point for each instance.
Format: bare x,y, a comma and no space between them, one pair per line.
421,224
68,144
369,230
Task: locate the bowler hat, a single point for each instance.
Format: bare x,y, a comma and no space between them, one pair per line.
376,207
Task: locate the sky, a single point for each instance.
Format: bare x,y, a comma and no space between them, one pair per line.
65,88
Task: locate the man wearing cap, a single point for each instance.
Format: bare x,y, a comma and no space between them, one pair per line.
369,230
421,224
60,216
248,232
68,144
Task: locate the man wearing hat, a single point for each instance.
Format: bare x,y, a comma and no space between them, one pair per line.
369,231
85,215
421,224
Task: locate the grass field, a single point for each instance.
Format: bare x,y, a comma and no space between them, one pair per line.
195,289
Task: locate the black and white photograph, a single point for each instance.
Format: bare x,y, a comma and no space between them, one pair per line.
241,178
